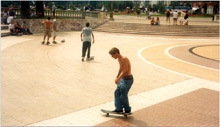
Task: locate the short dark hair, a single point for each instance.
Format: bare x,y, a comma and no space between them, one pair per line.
48,18
87,24
114,50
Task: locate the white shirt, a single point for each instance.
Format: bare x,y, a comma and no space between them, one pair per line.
175,14
11,26
87,32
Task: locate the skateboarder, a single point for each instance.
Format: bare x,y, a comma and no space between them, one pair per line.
48,30
86,39
124,81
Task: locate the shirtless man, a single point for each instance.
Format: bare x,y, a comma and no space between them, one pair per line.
48,30
124,81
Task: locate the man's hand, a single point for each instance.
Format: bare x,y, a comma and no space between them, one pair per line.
93,41
81,39
117,80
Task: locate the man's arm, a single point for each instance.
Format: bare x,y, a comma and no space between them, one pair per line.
54,27
81,37
93,38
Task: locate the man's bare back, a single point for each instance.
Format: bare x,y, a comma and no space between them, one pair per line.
48,24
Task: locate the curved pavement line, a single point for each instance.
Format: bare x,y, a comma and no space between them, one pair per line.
167,52
155,55
191,51
141,57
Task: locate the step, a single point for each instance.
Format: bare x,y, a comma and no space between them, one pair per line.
5,33
3,26
161,33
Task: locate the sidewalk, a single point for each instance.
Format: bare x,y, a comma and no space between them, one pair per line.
53,87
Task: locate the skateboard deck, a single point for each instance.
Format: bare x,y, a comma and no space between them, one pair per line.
91,58
110,112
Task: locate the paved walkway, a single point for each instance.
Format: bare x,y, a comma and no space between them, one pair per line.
52,87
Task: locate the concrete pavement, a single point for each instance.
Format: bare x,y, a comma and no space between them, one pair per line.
49,85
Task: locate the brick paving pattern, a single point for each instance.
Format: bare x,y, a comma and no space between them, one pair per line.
199,108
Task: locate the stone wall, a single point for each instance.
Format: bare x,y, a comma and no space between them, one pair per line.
35,25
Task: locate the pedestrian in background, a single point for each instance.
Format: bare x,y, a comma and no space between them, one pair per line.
86,39
11,16
168,15
47,32
54,30
5,16
175,17
53,9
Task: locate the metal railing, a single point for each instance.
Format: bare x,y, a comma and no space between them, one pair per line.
63,13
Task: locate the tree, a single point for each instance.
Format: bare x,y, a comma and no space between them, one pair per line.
25,10
161,7
40,8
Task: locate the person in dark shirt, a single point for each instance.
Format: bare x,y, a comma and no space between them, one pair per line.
11,16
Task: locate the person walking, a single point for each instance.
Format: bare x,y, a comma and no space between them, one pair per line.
54,30
47,32
124,81
86,39
53,9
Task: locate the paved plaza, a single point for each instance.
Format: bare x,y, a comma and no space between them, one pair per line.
176,80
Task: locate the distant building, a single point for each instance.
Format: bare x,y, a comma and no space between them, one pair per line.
206,7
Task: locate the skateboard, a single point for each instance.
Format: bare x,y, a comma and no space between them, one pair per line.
91,58
110,112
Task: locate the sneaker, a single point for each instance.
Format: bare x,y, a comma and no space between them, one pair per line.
128,111
118,111
54,42
42,42
82,59
48,43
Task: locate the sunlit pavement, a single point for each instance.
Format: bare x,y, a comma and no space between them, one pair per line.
50,86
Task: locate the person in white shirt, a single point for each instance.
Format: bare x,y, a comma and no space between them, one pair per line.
54,30
103,8
175,17
53,9
11,27
87,37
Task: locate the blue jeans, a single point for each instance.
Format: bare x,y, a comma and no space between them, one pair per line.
121,95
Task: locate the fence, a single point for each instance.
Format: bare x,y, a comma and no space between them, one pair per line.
66,13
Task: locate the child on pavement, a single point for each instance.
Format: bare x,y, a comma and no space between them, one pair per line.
124,81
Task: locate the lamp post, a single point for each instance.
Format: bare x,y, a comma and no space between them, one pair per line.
111,13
